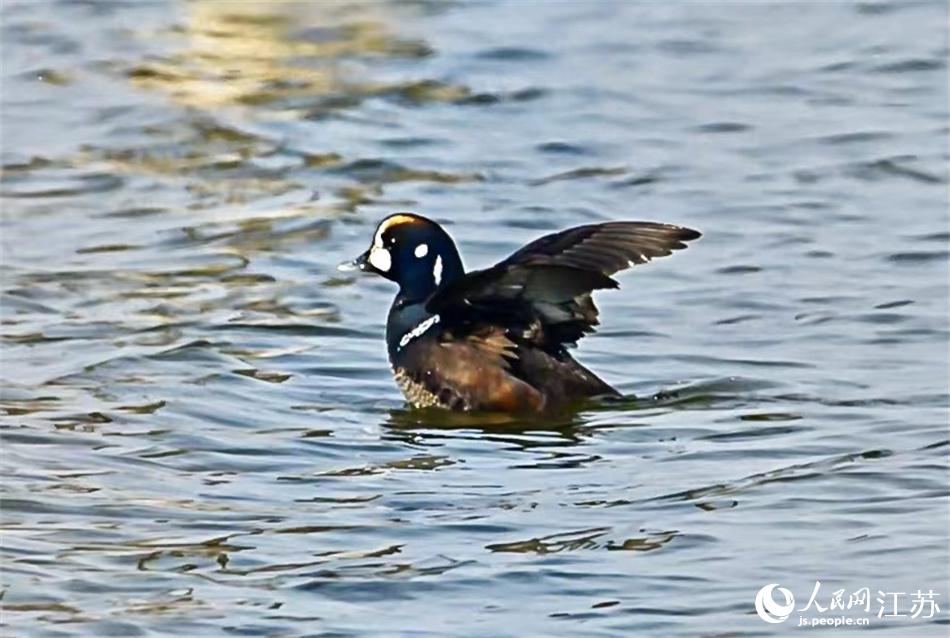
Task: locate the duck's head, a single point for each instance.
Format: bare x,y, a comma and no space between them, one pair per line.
413,251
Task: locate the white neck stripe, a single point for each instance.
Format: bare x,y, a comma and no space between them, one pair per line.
418,331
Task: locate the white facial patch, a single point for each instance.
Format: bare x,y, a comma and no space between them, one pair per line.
421,250
418,331
380,259
437,270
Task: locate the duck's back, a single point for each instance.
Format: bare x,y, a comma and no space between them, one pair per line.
490,370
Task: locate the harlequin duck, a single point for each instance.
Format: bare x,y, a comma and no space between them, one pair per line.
497,339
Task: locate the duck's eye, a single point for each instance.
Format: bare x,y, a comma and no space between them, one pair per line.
422,250
380,259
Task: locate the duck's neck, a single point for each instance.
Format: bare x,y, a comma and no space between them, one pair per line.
408,317
426,277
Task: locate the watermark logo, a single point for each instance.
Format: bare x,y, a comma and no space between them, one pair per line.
771,611
845,609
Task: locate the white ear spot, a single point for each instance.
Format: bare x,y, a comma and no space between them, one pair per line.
437,270
422,250
380,259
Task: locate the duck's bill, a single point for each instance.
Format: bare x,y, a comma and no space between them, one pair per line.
360,263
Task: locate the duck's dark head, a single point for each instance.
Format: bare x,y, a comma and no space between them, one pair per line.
413,251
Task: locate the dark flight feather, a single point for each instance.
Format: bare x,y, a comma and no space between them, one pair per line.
544,288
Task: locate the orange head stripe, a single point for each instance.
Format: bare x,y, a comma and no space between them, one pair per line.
396,220
390,222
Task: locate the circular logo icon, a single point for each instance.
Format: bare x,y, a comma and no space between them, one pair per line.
771,611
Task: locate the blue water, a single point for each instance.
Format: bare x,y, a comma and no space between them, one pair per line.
200,435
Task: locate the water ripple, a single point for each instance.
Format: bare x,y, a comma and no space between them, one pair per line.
199,428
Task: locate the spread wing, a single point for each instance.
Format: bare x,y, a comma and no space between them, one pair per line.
544,288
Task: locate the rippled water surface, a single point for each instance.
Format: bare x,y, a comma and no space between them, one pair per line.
200,432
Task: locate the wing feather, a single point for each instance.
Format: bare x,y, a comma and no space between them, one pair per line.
544,288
